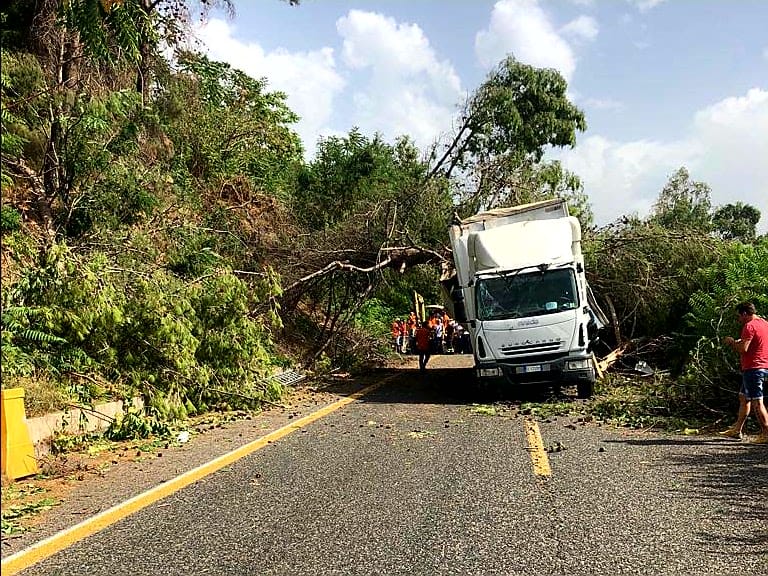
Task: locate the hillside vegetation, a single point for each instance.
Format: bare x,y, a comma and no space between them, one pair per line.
163,233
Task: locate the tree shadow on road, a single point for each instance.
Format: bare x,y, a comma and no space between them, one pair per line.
450,386
731,480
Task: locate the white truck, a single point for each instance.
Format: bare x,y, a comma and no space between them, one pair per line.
519,287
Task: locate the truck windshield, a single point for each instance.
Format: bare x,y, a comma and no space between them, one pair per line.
532,294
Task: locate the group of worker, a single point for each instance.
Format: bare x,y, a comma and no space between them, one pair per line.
439,334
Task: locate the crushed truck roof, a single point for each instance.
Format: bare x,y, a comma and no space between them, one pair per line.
501,212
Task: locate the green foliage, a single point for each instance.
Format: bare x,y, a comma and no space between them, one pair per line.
192,252
521,108
141,297
122,195
740,274
135,425
706,376
338,179
374,317
398,289
104,23
507,124
14,514
648,272
10,219
359,188
21,79
641,403
182,345
736,221
348,173
233,346
224,124
683,204
104,189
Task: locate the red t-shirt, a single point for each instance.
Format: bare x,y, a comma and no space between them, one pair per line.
756,355
423,337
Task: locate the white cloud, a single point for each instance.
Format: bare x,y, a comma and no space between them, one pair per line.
403,88
523,29
603,104
580,29
400,86
735,134
726,148
646,5
624,178
310,79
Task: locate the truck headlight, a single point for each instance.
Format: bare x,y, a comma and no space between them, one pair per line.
577,364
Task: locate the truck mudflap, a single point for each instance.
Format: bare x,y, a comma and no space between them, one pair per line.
565,370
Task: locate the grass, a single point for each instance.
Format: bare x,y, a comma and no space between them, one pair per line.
485,409
42,395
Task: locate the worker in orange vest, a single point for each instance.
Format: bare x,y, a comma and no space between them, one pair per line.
402,340
412,324
395,329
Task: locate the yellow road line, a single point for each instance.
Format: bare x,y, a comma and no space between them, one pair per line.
45,548
536,448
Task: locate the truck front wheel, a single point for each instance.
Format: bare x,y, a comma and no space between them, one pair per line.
585,388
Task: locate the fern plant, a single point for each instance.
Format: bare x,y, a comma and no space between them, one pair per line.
740,274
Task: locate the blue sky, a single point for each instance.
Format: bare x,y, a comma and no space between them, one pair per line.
663,83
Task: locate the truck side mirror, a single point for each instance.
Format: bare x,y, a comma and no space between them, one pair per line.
592,327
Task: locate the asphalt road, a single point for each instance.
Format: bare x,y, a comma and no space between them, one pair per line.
413,479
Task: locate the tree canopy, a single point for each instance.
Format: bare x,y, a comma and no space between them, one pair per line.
495,154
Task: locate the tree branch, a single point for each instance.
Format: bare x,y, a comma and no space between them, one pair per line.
397,257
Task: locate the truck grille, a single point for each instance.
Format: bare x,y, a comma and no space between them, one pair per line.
536,348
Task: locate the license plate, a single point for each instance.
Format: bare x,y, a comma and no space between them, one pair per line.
527,369
490,372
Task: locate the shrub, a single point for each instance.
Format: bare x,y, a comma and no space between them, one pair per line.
741,274
10,219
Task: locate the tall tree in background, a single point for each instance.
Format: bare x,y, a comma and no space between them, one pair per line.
736,222
507,123
683,204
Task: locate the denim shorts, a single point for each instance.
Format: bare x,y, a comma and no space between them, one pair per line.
752,383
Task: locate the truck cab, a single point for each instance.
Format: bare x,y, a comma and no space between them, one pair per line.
520,279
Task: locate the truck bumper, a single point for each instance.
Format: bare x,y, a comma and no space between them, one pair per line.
567,370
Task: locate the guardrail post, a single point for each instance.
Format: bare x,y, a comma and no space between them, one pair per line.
18,453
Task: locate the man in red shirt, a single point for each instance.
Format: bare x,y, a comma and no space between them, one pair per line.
752,346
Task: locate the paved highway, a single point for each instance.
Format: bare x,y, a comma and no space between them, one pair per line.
409,479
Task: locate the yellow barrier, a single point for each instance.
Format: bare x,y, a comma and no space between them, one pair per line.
18,453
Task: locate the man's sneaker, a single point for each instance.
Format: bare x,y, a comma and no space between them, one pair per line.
760,439
730,433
